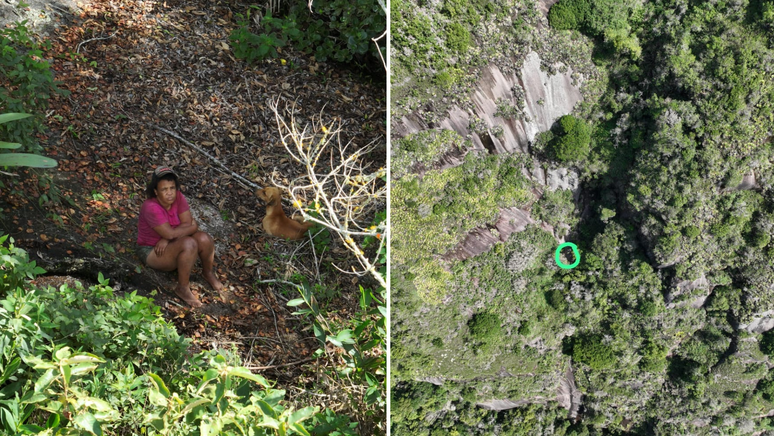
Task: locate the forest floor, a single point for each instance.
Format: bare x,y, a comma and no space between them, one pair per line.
133,67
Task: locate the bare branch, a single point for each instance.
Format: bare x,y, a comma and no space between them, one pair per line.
346,196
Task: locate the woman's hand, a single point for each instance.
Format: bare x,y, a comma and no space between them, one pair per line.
161,246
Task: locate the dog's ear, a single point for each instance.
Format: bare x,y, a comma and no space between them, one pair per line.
272,195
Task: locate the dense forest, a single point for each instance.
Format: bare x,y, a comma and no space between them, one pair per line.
665,327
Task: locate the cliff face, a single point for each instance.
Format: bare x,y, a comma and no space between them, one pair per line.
542,98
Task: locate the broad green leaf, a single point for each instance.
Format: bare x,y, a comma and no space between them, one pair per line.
82,368
66,373
300,415
159,383
13,116
192,405
62,353
81,358
88,422
95,404
296,302
9,145
373,394
44,380
31,428
345,336
53,420
210,374
267,410
383,311
269,422
33,397
298,428
319,333
220,390
245,373
26,160
155,397
9,419
10,369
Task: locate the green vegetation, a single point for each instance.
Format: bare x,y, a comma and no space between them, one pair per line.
421,150
573,139
334,29
660,323
593,352
26,85
446,204
485,326
82,361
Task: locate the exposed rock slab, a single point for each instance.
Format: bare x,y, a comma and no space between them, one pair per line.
760,324
546,98
499,405
568,395
480,240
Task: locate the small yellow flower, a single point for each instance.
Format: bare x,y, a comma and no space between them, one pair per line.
297,204
324,129
283,61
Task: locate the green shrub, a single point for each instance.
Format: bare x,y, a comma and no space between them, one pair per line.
26,84
653,357
555,299
591,351
573,139
485,326
691,231
252,47
444,80
568,14
140,383
335,29
767,343
457,38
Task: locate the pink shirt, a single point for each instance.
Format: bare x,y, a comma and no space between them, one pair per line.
153,214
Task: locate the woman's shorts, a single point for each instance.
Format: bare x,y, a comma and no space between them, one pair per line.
143,251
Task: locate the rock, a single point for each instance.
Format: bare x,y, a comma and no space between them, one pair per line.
438,381
568,395
546,98
687,287
562,178
511,220
762,323
499,405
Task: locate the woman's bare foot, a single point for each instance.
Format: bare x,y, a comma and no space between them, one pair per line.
213,281
186,295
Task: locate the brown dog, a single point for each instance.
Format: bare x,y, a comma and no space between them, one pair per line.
276,223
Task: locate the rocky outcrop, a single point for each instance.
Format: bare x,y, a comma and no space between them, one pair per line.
540,97
568,395
693,292
480,240
762,323
499,405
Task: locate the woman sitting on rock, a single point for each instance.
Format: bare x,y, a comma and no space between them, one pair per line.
170,239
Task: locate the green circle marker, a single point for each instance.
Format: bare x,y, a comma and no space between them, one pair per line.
574,251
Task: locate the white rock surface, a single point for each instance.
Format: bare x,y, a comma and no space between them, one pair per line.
547,98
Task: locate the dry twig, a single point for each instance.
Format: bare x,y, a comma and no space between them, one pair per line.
343,195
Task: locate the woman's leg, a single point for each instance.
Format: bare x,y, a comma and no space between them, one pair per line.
180,254
207,255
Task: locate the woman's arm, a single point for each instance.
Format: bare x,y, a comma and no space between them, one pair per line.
187,227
